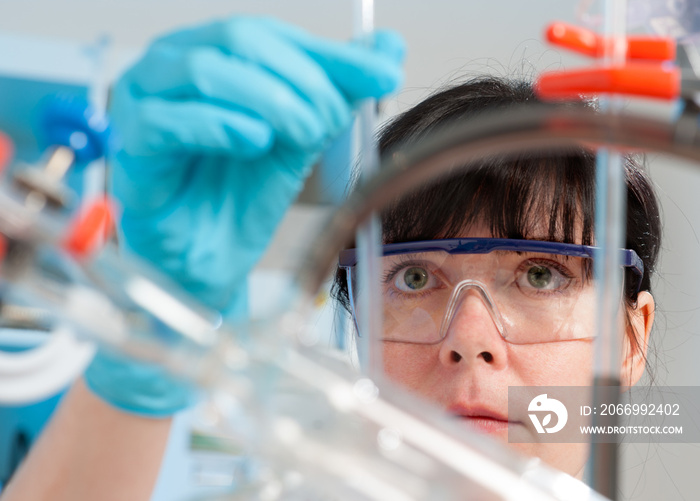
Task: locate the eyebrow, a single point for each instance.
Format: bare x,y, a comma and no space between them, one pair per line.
407,256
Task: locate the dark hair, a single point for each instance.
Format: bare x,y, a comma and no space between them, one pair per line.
507,194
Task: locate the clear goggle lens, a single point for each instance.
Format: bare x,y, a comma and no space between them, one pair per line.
530,297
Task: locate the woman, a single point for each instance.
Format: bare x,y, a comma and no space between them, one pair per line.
461,328
220,124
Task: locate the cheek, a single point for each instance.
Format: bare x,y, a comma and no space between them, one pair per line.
568,363
565,363
410,365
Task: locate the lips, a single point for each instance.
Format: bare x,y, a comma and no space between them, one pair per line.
482,418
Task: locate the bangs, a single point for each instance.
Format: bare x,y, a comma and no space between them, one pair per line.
530,197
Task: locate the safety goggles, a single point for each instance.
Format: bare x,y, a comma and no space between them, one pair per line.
534,291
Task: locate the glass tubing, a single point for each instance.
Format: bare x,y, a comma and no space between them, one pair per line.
609,231
369,234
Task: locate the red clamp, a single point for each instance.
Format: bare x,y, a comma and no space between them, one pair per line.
648,71
591,44
91,229
6,150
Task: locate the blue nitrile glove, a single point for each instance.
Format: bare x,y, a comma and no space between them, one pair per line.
220,125
137,387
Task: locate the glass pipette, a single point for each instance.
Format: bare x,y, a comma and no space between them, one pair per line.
369,234
610,226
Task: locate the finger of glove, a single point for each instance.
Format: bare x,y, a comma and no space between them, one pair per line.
251,40
359,71
208,75
163,126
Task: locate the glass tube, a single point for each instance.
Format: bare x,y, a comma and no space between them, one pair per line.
610,228
368,236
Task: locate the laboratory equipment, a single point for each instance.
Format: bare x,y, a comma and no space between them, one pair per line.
369,235
76,135
321,426
313,405
633,66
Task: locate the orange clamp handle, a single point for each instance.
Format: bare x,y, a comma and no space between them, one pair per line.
591,44
91,229
3,248
634,79
6,150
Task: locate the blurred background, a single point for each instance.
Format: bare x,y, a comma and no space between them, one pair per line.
78,45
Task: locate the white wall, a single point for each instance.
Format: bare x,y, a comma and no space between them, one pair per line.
446,38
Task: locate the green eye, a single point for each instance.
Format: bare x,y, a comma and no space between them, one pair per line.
539,277
415,278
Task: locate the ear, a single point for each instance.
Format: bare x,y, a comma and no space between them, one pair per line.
634,352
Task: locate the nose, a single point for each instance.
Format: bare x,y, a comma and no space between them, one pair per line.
473,330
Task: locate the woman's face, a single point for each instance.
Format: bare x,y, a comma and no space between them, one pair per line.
468,373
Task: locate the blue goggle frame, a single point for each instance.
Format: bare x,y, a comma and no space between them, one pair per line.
629,258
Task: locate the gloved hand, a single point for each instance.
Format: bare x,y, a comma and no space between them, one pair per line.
220,125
